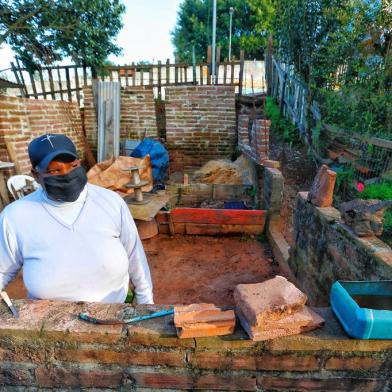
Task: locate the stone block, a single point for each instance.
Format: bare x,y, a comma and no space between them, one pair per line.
269,301
301,321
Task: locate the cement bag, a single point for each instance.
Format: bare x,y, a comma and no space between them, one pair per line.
109,174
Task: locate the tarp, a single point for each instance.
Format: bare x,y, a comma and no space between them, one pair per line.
159,157
109,174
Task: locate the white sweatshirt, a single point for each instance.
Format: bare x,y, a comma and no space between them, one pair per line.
91,259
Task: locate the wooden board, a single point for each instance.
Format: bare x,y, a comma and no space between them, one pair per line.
147,212
218,217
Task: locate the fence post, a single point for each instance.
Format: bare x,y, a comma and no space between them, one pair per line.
159,79
22,93
209,64
241,76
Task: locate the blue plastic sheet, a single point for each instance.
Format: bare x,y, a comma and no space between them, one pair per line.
159,157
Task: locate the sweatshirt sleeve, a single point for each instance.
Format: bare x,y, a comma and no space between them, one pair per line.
139,270
10,259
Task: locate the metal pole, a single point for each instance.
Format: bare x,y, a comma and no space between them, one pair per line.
213,73
231,10
194,64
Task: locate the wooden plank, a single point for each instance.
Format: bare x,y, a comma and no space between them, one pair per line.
133,74
159,79
220,217
175,74
209,65
22,92
201,75
84,76
224,72
241,76
42,83
77,85
218,56
185,75
60,84
32,81
21,76
68,84
167,71
232,73
13,156
151,76
51,84
212,229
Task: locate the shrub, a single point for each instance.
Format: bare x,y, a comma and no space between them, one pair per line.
381,191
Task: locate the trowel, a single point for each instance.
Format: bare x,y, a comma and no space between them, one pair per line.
85,317
7,300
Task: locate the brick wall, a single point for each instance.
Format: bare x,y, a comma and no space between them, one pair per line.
49,348
137,111
326,250
22,119
253,137
200,124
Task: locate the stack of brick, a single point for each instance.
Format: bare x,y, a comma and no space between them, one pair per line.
198,320
274,308
253,137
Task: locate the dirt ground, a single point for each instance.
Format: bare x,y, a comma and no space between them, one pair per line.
191,269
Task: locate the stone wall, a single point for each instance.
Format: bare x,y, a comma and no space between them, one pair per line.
326,250
273,183
137,111
200,124
48,347
22,119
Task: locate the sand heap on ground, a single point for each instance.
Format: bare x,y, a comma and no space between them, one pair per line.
274,308
223,171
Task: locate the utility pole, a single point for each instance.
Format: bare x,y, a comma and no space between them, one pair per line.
231,10
213,71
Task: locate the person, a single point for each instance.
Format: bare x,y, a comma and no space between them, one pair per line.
76,241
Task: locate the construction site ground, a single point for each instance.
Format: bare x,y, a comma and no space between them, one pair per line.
194,269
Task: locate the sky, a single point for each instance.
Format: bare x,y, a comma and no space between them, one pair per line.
145,35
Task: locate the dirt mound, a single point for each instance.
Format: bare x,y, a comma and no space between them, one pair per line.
223,171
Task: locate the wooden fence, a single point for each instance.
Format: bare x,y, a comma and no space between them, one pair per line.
66,82
370,157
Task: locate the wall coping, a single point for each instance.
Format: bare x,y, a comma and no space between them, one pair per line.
57,320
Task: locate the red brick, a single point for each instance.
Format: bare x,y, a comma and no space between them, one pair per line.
58,377
209,360
356,363
317,384
162,358
14,376
186,381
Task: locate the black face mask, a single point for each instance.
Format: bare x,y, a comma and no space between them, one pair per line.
67,187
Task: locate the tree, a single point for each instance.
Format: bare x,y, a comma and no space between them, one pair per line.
194,28
45,31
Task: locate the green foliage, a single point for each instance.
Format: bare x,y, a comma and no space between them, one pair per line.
381,191
280,126
45,31
194,28
344,183
130,296
342,50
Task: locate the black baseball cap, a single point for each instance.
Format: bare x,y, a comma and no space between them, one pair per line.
43,149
